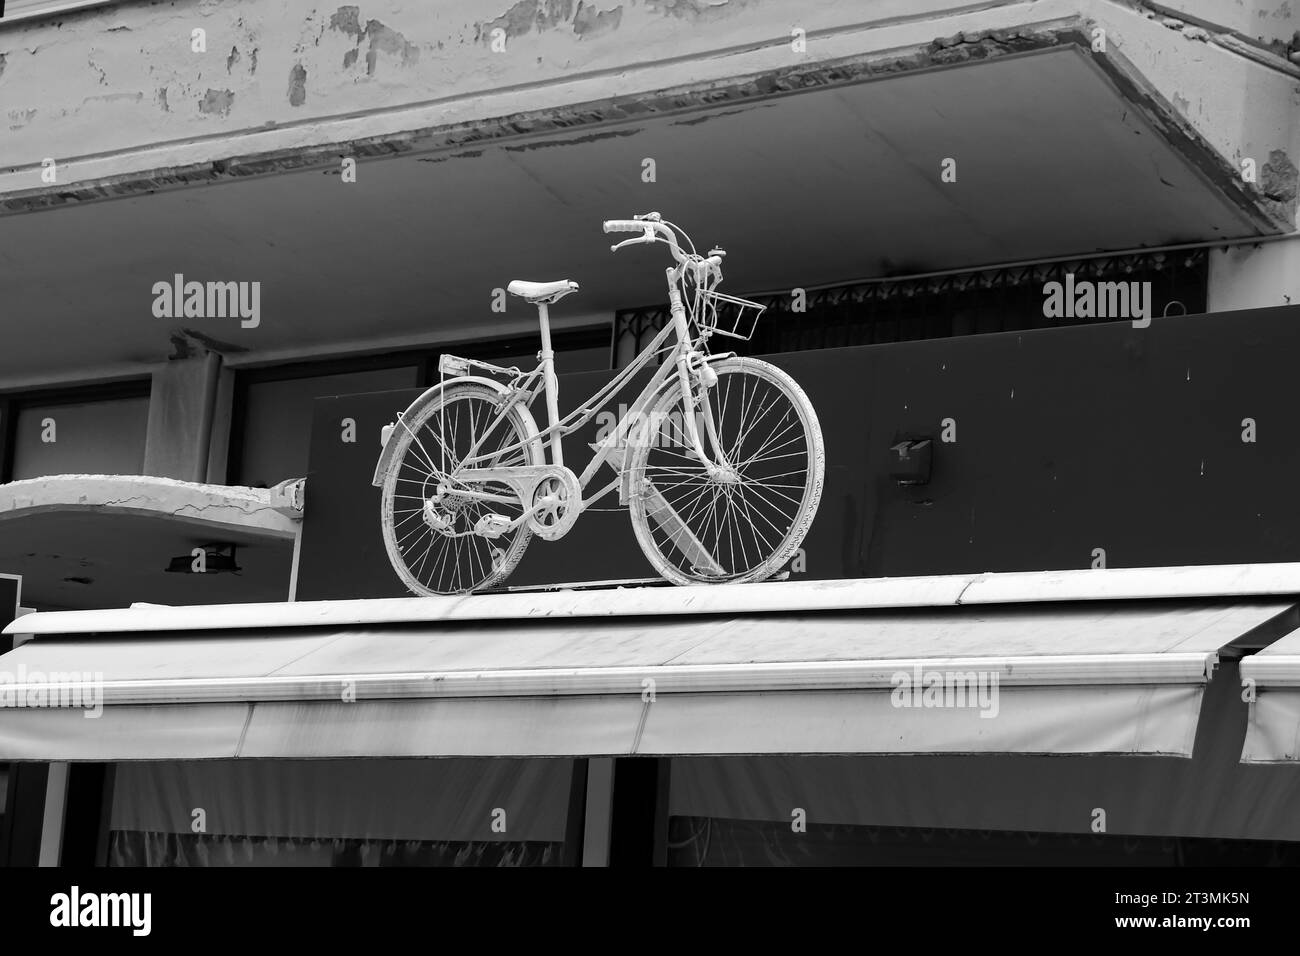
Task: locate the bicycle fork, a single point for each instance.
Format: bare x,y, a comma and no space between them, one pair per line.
717,466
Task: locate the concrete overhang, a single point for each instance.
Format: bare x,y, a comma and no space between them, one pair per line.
121,91
809,176
106,540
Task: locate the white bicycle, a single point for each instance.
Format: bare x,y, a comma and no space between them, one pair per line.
719,459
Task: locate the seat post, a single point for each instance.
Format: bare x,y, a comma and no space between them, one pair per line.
552,385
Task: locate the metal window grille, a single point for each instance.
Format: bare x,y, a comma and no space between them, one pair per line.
966,303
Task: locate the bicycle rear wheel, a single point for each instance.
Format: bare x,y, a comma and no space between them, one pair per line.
697,528
430,536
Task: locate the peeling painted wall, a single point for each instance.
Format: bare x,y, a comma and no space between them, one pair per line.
125,76
1221,90
1270,22
119,91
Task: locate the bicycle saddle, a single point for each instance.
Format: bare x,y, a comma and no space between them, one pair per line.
542,291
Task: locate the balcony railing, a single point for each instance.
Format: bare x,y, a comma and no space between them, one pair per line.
965,303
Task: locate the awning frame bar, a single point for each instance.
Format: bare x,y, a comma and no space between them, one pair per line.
809,676
1108,584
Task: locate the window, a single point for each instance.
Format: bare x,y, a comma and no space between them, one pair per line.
93,431
455,811
1012,809
273,406
706,841
4,809
276,419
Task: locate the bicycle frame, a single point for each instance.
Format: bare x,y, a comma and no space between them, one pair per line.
542,381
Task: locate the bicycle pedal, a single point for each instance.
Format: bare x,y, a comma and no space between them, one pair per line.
492,526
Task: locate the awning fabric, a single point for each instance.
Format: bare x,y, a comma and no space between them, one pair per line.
425,800
1271,685
1212,796
1101,677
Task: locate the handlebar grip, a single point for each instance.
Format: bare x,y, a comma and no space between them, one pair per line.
624,225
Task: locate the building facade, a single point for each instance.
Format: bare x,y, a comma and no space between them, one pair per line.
221,218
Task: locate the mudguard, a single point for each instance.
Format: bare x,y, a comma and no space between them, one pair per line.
391,434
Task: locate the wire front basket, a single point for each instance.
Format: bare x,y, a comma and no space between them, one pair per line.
715,313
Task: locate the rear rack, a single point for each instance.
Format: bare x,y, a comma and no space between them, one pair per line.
456,365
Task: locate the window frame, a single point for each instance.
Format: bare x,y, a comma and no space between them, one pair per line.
11,403
424,359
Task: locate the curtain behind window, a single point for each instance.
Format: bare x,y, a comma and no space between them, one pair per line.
994,809
445,812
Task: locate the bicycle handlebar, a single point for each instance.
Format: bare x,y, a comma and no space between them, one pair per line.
650,227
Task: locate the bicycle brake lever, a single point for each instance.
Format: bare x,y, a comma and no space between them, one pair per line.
645,237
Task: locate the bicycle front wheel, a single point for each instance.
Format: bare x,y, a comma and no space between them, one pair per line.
431,520
740,523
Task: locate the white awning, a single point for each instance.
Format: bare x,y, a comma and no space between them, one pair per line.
1271,684
1101,677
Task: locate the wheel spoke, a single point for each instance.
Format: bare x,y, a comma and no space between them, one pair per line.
454,559
746,515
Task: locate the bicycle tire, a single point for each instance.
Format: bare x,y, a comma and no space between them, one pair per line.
486,564
668,552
